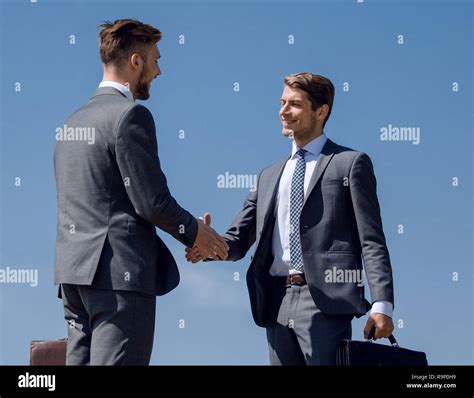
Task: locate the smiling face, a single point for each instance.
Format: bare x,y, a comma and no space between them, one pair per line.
149,72
298,118
296,114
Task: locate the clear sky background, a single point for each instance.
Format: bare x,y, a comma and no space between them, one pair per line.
405,85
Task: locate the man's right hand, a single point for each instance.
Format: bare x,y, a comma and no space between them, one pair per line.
209,242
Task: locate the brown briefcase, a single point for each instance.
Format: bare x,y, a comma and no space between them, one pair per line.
48,352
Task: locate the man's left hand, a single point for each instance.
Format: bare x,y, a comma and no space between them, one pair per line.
383,324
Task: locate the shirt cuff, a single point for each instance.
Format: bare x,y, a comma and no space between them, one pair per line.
382,307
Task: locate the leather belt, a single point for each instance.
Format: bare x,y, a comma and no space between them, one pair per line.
295,279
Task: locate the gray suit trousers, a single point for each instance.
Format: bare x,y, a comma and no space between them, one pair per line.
108,327
298,332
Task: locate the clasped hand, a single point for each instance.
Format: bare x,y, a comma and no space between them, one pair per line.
208,244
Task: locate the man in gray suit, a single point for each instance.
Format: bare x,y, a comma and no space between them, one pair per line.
111,193
313,217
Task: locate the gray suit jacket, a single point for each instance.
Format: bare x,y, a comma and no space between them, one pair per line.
111,193
340,224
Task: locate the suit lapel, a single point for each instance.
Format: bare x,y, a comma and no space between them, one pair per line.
271,188
323,160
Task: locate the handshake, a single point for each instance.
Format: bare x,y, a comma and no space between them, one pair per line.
208,244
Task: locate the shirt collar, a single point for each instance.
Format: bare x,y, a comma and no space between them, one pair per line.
314,147
125,90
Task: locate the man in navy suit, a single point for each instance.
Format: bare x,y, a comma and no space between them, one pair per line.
313,217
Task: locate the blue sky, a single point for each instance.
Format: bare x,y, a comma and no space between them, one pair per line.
403,85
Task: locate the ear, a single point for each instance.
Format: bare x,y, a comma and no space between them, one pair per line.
136,61
322,112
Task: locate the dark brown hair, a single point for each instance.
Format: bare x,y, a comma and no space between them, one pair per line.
319,89
120,39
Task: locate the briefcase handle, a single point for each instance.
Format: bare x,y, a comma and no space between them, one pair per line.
392,339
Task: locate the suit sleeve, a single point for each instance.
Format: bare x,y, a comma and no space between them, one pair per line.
241,234
136,152
363,187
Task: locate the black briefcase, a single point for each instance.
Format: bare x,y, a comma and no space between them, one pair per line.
368,353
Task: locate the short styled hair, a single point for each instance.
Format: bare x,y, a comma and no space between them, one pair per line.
123,37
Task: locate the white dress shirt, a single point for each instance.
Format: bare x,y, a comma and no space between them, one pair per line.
119,86
281,232
281,236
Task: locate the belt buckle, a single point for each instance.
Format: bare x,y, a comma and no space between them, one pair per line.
292,281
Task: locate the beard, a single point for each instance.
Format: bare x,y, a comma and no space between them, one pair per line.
142,88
